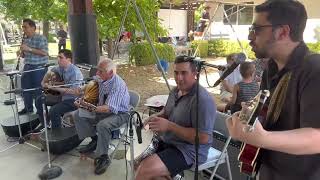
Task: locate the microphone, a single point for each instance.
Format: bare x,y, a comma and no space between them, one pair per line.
15,91
11,73
49,64
138,131
138,124
239,58
204,63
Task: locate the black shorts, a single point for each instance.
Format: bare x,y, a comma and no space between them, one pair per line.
172,158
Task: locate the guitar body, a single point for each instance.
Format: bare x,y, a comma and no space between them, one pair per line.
249,154
248,159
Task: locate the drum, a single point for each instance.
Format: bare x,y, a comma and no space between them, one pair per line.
148,147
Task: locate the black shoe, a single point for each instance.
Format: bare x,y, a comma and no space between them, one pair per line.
102,163
24,111
88,148
38,129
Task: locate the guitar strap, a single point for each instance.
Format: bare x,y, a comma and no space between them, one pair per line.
278,97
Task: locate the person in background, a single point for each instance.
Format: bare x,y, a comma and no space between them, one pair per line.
205,18
62,37
244,90
228,83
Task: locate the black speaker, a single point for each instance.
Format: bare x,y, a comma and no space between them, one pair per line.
84,38
60,140
27,123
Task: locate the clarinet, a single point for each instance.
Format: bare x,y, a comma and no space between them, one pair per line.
21,54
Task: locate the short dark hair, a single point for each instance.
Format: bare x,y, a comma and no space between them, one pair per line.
66,52
286,12
247,69
30,22
184,59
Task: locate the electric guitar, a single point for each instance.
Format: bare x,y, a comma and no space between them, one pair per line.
250,113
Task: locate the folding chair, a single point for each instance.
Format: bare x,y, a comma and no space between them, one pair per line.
214,156
134,101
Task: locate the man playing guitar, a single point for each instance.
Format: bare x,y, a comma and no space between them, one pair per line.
289,136
72,77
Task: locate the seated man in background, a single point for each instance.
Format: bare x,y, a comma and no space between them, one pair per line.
228,83
111,112
175,124
72,77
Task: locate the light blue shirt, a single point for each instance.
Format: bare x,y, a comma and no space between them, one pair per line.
114,93
70,75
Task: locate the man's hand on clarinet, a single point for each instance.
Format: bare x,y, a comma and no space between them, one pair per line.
25,48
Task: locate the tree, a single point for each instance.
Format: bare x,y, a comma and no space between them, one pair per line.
110,13
41,10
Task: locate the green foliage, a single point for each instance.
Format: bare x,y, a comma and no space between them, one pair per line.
223,48
198,12
52,10
141,53
317,33
51,38
110,13
203,47
314,47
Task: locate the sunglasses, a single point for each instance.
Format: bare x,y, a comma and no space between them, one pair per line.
255,29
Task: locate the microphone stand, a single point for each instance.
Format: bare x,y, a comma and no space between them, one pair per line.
200,65
49,171
131,146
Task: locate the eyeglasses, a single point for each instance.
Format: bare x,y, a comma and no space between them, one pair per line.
257,28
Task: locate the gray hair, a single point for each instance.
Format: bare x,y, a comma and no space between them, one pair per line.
110,65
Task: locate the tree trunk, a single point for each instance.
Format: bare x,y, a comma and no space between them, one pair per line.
110,47
1,57
100,46
46,27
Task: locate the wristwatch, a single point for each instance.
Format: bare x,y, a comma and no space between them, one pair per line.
30,50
